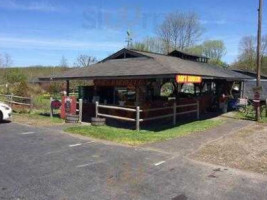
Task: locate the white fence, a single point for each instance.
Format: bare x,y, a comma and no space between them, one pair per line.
138,111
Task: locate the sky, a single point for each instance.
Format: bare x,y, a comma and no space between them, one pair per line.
42,32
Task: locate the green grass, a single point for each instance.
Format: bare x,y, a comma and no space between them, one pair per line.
251,115
132,137
37,118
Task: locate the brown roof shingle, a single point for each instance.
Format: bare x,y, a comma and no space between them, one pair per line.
151,64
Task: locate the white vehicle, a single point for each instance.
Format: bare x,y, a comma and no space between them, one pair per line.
5,112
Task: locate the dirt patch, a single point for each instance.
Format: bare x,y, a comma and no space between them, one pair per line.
246,150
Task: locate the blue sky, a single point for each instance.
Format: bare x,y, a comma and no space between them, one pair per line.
41,32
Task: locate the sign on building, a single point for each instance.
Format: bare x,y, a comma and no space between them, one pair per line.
188,79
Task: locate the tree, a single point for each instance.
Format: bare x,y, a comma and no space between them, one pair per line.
214,49
1,61
15,76
7,61
85,61
150,44
180,31
247,54
22,89
63,62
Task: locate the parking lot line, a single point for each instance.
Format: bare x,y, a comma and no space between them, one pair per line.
159,163
27,133
75,145
81,166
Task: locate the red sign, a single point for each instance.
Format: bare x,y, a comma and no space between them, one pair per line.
256,99
69,105
188,79
56,104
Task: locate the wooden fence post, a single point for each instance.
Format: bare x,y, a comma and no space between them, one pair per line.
174,113
31,104
11,99
138,118
96,109
51,108
198,110
80,110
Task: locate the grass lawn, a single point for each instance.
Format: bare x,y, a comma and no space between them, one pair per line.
132,137
36,119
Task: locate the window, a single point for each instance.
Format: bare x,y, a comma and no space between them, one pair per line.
124,94
188,88
167,90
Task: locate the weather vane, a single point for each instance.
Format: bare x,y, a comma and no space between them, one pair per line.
129,39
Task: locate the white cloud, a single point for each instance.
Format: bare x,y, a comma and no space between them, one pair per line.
43,6
57,44
216,22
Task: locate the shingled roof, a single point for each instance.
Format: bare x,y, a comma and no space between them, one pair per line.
136,64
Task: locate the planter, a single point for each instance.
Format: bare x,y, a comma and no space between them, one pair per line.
98,121
72,119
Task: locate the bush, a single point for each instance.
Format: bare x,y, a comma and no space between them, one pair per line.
22,89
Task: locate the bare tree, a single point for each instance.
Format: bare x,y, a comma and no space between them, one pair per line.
85,61
164,33
63,62
180,30
150,44
1,61
247,53
7,61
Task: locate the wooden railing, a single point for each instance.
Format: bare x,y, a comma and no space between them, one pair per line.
138,111
18,100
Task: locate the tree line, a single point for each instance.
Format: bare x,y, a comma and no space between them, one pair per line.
178,31
248,54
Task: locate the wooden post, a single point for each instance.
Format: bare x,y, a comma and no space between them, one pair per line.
198,110
68,87
259,39
138,118
266,108
80,110
96,109
174,113
11,99
51,109
31,104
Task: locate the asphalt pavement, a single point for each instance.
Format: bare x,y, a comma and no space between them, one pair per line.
47,164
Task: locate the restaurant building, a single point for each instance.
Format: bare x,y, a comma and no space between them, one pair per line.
133,86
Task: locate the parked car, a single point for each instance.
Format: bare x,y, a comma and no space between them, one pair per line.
5,112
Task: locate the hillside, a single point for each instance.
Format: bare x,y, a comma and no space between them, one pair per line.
31,73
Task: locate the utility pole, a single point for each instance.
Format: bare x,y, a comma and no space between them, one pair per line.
259,59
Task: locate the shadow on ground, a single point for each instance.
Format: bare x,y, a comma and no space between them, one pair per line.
162,124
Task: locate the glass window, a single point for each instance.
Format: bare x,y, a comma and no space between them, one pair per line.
167,90
188,88
124,94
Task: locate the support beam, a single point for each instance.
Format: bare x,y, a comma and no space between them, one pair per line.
138,118
68,87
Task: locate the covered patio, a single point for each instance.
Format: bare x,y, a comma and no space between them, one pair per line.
142,87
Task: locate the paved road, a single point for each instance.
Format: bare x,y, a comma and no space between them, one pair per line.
42,164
